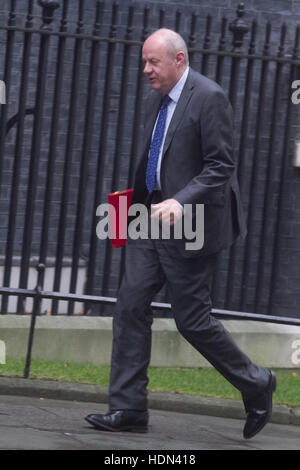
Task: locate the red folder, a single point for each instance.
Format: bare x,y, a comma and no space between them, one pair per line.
119,203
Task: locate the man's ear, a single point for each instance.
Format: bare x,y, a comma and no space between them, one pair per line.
180,58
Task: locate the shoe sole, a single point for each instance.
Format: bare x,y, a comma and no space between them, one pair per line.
269,413
102,427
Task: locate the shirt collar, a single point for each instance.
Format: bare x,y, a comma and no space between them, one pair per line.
175,93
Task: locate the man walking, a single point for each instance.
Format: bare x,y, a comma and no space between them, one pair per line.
186,159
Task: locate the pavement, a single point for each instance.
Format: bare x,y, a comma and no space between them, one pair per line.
43,414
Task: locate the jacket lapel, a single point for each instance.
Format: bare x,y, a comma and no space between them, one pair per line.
179,110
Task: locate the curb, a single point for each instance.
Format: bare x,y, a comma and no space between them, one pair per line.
219,407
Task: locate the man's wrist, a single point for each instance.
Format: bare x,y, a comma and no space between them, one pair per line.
180,205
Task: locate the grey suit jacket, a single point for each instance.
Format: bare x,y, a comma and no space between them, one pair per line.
197,165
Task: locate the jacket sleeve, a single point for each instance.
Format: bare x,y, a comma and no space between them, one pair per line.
216,151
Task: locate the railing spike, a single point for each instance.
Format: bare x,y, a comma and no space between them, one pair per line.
239,28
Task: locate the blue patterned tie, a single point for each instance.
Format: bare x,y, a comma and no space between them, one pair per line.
156,144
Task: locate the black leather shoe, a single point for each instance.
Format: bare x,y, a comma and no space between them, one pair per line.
259,409
120,420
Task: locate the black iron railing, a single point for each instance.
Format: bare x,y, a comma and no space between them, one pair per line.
38,294
69,135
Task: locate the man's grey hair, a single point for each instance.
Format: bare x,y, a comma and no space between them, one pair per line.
174,42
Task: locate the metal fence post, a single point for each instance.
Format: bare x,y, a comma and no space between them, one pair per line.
47,16
35,311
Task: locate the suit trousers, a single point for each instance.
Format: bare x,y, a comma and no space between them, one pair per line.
149,264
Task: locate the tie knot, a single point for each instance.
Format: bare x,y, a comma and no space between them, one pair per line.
166,100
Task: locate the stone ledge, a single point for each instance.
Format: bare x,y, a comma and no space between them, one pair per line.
88,340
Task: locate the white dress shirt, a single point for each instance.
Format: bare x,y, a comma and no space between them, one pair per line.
174,94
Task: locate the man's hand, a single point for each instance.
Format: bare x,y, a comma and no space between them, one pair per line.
168,211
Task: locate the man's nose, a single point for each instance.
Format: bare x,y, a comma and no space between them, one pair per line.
147,68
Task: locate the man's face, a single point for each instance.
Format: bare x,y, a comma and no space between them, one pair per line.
159,67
